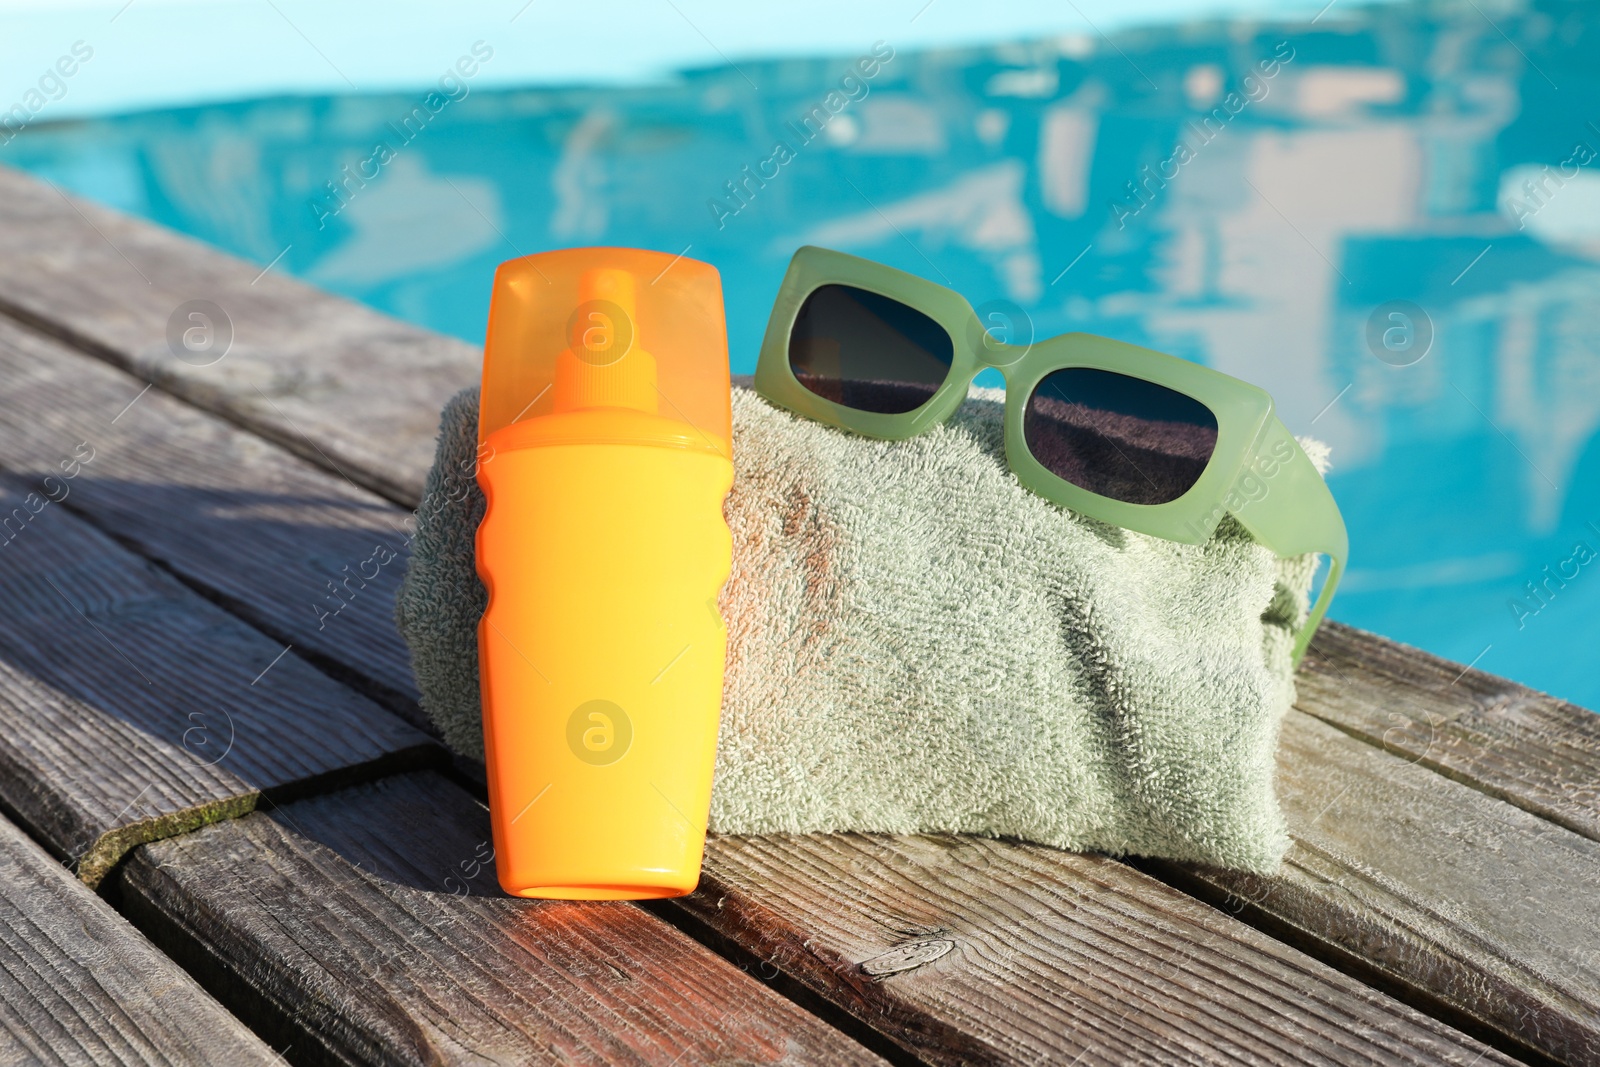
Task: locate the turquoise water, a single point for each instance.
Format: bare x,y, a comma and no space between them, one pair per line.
1393,225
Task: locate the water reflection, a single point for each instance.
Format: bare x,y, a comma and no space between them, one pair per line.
1256,197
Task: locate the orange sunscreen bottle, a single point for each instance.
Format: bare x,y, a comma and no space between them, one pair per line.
605,457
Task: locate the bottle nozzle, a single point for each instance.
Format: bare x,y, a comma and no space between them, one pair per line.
604,365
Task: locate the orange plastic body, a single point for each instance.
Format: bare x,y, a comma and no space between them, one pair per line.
604,549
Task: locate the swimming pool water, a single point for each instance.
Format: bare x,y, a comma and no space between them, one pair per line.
1389,219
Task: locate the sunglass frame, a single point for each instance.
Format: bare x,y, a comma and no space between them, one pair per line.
1242,410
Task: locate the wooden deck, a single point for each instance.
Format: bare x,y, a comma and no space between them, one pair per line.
253,806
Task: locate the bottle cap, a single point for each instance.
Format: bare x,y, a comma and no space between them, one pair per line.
621,329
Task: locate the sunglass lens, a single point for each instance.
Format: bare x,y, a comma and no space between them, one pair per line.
1118,436
868,352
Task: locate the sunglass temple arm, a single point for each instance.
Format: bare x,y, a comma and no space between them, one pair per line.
1294,516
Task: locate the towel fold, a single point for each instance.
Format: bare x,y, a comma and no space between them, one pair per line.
918,644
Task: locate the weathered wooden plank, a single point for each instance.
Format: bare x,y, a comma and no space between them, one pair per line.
366,926
79,985
962,949
1471,906
1504,739
309,559
327,378
132,708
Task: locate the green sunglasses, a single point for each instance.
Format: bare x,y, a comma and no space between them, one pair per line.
1126,435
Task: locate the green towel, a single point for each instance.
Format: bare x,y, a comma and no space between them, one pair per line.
917,644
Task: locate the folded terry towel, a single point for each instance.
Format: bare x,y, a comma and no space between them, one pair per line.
918,644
